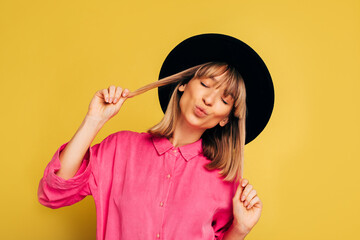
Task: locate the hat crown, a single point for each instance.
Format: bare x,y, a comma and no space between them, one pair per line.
211,47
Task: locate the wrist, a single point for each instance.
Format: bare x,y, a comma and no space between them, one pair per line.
234,233
240,230
94,121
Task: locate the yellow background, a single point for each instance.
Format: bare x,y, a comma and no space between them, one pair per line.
54,55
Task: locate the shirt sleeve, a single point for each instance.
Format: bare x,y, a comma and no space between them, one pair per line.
222,221
55,192
223,217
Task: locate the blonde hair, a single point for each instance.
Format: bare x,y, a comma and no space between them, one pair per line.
224,146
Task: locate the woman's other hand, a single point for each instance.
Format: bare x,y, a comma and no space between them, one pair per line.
106,103
247,207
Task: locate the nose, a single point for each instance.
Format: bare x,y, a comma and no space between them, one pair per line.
209,98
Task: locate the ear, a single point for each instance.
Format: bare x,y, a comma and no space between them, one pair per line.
182,87
223,122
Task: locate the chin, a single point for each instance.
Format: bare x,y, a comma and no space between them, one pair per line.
193,121
196,122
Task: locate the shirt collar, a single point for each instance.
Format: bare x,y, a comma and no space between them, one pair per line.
188,151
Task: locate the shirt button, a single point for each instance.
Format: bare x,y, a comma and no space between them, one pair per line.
174,150
168,176
158,235
161,204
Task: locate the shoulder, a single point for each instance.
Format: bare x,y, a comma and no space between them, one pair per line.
131,136
216,176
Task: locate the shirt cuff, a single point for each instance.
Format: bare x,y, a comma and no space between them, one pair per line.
81,176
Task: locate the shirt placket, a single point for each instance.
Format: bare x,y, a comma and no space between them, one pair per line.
169,168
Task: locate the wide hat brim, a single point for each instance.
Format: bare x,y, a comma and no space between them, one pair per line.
208,47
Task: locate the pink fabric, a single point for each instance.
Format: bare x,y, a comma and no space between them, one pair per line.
144,188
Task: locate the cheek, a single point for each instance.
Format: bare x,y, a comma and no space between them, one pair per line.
185,101
221,111
183,104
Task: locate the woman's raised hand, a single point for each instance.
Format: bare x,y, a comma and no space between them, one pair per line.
106,103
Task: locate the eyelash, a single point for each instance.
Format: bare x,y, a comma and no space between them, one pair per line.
203,84
207,86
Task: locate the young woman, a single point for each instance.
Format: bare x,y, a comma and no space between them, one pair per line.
182,179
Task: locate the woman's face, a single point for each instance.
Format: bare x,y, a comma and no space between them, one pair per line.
203,104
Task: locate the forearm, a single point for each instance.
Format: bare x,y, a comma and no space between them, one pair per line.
73,154
234,234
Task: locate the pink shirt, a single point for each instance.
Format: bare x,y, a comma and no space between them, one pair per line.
145,188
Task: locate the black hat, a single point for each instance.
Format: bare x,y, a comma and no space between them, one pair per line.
209,47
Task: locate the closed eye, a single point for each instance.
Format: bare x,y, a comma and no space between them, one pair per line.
203,84
221,98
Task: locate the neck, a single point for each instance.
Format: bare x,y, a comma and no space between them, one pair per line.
185,134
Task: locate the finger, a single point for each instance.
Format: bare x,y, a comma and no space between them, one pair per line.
126,93
246,192
105,94
111,93
118,93
244,182
255,200
251,195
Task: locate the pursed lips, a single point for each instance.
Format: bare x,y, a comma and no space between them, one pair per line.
202,109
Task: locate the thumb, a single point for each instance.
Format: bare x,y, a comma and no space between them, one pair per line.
121,101
123,97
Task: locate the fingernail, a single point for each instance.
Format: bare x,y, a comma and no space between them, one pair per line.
242,198
248,206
